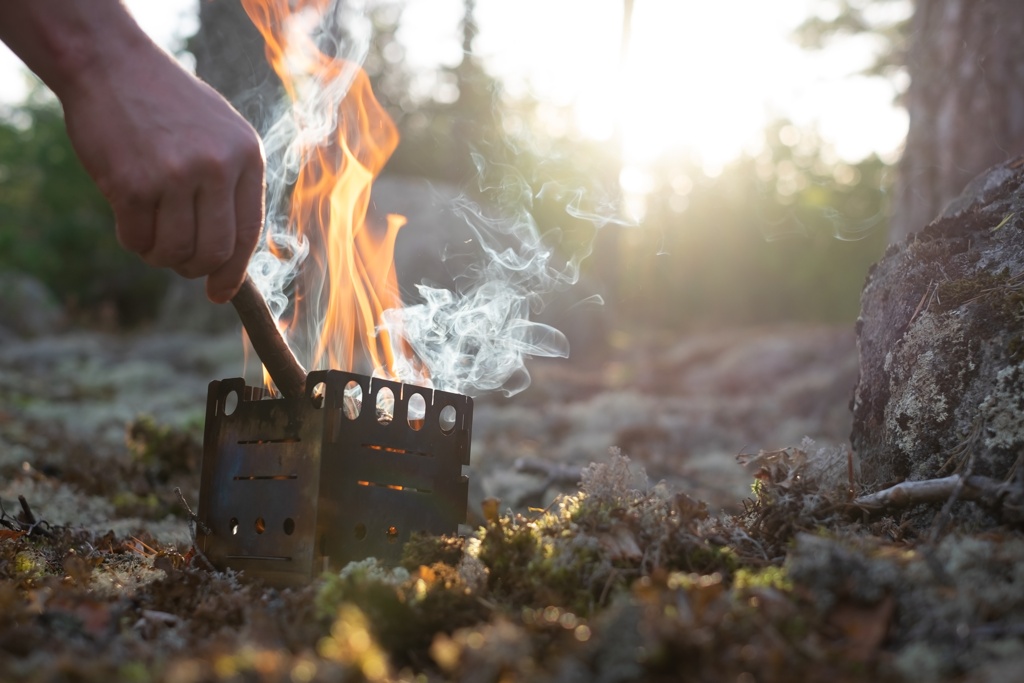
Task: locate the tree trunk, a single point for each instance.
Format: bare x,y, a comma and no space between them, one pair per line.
965,101
230,56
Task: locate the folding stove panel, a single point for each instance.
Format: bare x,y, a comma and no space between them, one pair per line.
291,487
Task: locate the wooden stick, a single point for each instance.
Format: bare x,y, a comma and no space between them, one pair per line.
288,374
909,493
1006,497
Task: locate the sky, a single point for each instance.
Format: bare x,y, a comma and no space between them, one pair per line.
700,77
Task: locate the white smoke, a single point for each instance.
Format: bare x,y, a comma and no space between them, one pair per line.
472,339
478,337
290,136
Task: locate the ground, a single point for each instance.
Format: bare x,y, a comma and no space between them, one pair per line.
667,559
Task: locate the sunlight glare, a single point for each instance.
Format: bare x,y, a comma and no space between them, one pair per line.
701,79
695,81
688,84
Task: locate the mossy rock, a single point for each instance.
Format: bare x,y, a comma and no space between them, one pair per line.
941,342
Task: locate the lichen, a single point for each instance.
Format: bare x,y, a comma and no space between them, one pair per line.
838,568
928,375
1003,409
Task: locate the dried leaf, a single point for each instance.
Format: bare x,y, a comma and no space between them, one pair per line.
490,508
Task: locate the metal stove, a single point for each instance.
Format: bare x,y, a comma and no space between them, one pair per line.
293,486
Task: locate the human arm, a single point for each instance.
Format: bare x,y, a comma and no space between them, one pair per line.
182,170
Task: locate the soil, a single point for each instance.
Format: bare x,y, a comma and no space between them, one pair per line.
678,562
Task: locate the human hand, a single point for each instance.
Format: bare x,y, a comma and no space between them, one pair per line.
182,170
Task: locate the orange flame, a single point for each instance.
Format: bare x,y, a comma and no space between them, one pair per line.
331,195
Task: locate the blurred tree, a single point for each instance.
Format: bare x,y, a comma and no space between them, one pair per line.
786,235
230,56
965,61
56,226
461,117
965,101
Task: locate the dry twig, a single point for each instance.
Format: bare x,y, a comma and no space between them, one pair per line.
26,522
1006,498
193,522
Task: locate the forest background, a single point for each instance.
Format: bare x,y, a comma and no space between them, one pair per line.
784,232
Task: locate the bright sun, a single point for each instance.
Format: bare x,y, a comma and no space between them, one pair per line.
699,78
692,80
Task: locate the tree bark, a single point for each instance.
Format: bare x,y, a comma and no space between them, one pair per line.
965,102
230,56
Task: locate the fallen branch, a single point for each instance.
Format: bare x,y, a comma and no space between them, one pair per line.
1006,498
28,522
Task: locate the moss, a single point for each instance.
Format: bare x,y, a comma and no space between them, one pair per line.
426,549
589,547
923,662
28,564
163,450
767,577
548,561
406,609
844,606
709,558
955,293
834,569
131,504
134,672
337,588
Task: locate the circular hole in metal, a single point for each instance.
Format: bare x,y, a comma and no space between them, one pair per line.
352,400
231,402
417,411
360,531
319,391
233,525
447,419
385,405
260,525
289,526
392,533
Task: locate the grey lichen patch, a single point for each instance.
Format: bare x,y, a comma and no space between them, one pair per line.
929,370
836,569
953,601
965,593
1003,409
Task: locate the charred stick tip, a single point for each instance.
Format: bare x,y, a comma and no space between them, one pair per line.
288,374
